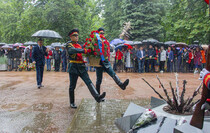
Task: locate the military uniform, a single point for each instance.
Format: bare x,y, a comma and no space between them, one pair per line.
106,66
77,68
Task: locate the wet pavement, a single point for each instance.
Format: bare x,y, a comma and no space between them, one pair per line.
24,108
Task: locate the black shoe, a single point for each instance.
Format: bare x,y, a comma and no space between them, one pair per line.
72,105
100,98
119,83
38,86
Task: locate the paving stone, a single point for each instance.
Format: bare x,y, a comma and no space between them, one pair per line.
155,102
92,117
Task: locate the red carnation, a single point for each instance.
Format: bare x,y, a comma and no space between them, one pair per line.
86,43
95,53
97,31
92,36
95,44
86,39
94,49
89,50
90,39
99,50
101,36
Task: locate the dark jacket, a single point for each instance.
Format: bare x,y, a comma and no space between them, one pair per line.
75,68
57,54
151,52
139,55
10,54
38,55
2,52
63,54
186,56
179,55
170,55
18,53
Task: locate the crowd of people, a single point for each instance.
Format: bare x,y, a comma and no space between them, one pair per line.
159,59
16,56
140,59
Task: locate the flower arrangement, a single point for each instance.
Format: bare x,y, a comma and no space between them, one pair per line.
23,65
97,45
31,66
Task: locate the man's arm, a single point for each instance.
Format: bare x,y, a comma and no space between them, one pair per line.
73,50
33,54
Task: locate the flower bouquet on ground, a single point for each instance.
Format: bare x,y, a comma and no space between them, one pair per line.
22,66
31,66
147,117
97,48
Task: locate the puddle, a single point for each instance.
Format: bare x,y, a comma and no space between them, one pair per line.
42,106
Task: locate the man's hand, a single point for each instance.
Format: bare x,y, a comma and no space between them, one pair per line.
140,58
203,73
150,57
34,62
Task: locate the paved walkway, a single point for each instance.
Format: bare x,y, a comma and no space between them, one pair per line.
24,108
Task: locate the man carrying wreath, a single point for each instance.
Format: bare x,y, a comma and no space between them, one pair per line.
77,68
106,66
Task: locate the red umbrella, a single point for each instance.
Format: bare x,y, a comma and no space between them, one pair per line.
129,46
207,1
22,47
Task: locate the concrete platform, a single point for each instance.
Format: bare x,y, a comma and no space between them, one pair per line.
92,117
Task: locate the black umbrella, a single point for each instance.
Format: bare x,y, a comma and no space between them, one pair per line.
46,34
30,43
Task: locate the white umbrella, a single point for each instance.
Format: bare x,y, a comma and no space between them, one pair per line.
30,43
46,34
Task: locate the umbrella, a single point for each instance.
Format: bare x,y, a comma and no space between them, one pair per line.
120,47
6,47
205,46
30,43
116,42
56,44
181,44
170,42
129,46
1,43
22,46
46,34
137,43
17,44
150,41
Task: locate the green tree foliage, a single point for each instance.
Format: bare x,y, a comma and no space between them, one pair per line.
21,18
164,20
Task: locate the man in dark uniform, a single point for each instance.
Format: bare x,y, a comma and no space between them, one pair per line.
18,54
38,53
57,57
106,66
151,55
77,68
